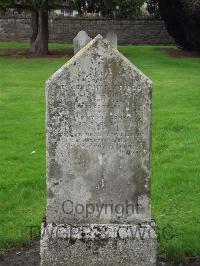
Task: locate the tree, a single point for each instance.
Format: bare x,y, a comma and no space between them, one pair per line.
108,8
4,4
78,5
129,8
39,10
40,31
182,19
153,9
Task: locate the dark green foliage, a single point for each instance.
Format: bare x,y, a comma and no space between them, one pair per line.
31,4
108,8
4,5
182,19
153,9
129,8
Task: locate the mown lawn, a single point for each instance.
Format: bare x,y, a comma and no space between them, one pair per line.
176,145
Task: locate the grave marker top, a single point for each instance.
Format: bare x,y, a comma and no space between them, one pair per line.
80,41
111,37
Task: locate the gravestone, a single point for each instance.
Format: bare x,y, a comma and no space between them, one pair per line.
80,41
111,37
98,124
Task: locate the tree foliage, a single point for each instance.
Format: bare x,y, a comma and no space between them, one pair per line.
31,4
129,8
153,9
4,4
182,19
108,8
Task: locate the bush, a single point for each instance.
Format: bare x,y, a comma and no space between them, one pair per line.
182,19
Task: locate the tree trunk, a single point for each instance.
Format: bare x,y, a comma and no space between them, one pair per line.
34,26
40,45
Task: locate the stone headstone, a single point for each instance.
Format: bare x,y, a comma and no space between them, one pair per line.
98,124
80,41
111,37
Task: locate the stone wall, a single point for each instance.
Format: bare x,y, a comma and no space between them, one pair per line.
135,31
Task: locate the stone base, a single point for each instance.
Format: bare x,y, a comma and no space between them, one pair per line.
98,245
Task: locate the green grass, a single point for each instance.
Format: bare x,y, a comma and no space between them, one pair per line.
8,47
176,145
23,45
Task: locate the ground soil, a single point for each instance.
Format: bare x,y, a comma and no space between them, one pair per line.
180,53
29,256
24,256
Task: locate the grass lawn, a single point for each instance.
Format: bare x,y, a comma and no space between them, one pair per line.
176,145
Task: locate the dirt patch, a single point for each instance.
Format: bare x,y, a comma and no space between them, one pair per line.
14,53
30,256
23,256
180,53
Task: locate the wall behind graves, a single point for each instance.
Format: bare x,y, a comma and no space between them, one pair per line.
62,29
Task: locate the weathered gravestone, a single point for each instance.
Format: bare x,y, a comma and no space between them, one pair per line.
98,162
80,41
111,37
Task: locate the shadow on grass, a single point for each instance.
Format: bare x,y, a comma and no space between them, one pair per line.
14,53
